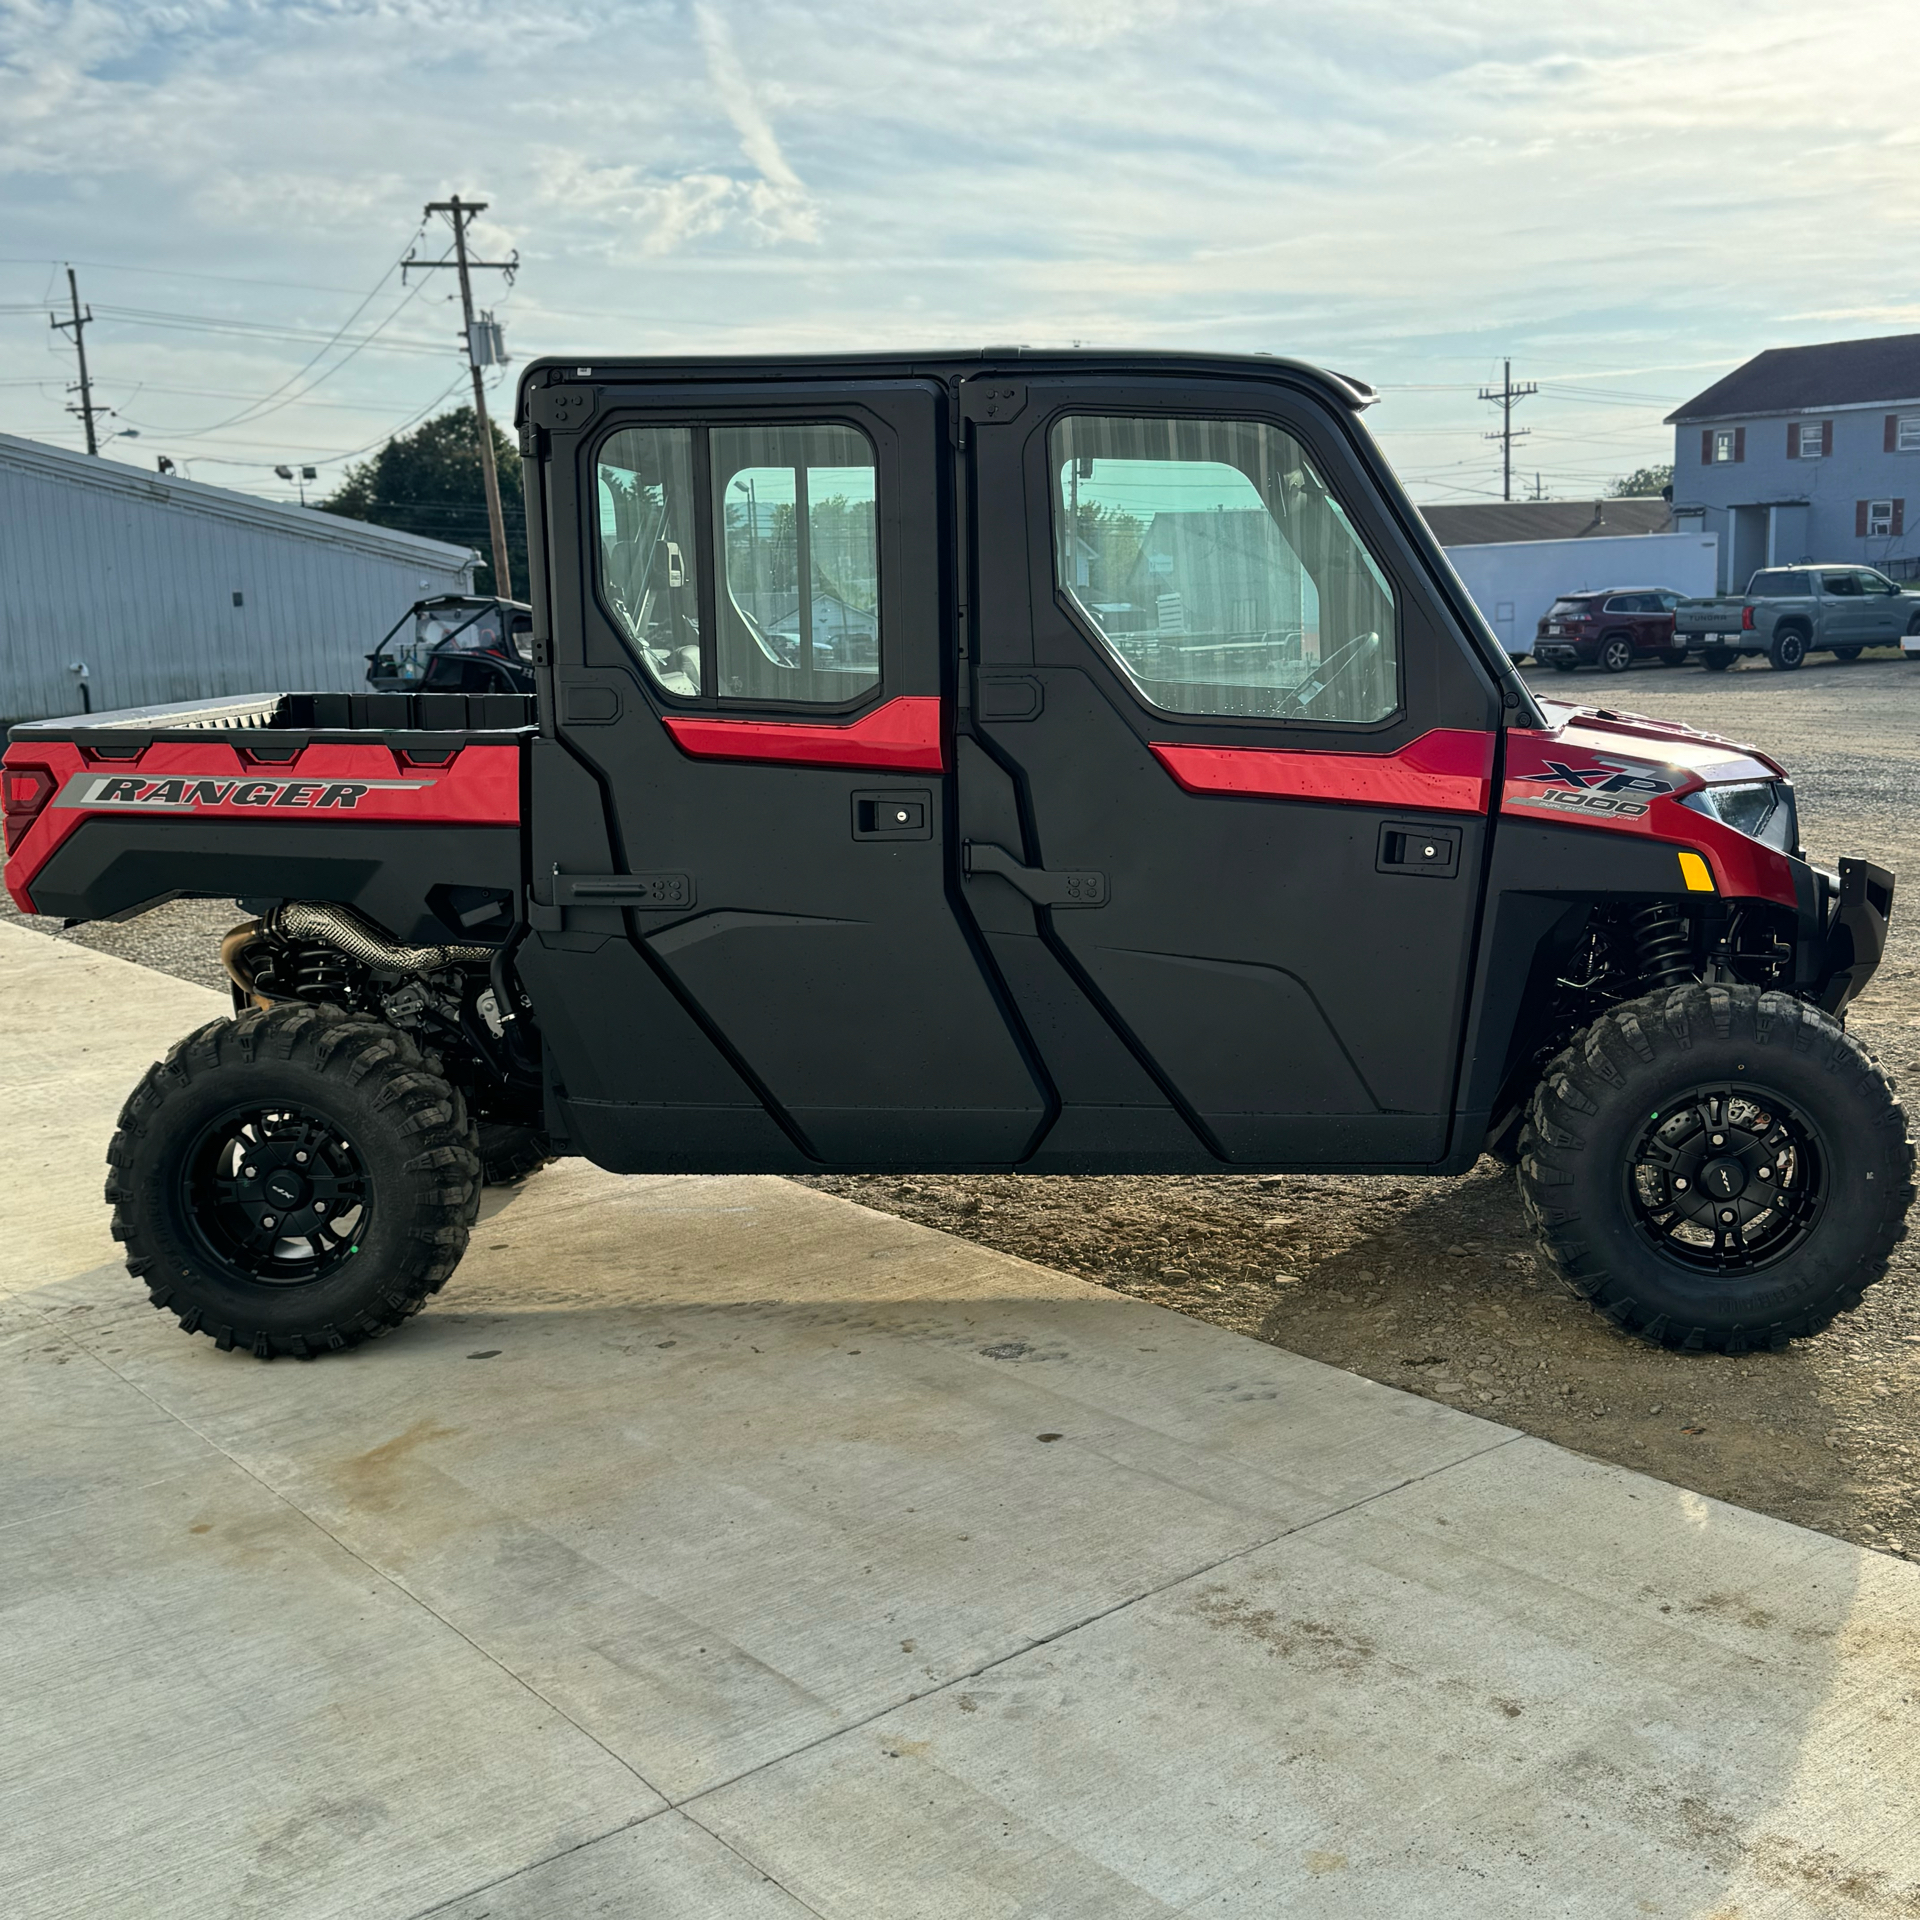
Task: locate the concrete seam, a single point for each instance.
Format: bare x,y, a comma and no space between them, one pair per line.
399,1586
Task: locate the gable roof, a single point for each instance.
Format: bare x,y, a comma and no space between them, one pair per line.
1840,373
1498,520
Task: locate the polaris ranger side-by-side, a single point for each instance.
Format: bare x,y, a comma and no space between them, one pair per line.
1060,763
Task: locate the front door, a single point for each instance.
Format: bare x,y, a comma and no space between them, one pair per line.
748,794
1228,774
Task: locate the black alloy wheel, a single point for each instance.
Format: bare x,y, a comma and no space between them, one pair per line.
1727,1178
278,1194
1788,650
1616,653
295,1181
1717,1167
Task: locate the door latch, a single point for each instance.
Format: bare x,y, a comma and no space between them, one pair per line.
1405,848
1044,887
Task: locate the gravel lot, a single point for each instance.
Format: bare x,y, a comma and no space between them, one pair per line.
1432,1285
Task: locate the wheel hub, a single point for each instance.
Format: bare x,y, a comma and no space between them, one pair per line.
278,1193
1727,1178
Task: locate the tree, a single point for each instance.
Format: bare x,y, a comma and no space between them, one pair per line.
430,482
1643,483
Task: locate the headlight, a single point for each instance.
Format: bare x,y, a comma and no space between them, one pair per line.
1761,809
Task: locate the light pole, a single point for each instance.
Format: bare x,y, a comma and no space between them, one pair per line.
299,479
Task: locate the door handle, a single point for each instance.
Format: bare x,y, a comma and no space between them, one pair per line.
1044,887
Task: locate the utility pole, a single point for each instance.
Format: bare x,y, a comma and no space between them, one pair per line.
79,323
1506,396
483,349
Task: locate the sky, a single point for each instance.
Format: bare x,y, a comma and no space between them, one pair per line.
1626,201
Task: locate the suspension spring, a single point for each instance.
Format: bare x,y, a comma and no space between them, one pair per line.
320,973
1663,946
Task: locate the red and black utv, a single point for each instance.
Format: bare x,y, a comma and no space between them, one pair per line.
1064,763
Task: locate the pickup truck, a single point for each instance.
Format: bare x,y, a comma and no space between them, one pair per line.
1788,612
1051,763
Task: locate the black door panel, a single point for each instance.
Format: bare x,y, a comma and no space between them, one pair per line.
1295,1001
823,956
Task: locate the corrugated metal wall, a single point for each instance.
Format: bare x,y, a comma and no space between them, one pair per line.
135,575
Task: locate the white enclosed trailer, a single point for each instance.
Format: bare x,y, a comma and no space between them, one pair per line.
122,588
1514,582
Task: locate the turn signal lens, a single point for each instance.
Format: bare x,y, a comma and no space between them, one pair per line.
24,791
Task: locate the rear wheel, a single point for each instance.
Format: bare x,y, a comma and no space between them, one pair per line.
293,1181
1674,656
1616,653
1716,659
1717,1167
1788,650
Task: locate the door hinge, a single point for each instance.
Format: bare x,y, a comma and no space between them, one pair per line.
1045,888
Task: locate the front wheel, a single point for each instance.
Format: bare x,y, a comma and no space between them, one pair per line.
1716,659
1717,1167
1616,653
1787,651
293,1181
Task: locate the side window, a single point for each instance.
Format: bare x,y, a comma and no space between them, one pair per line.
1221,575
1845,585
647,564
797,536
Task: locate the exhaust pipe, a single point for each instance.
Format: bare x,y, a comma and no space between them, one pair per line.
358,939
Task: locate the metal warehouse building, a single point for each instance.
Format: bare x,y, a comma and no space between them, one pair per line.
120,588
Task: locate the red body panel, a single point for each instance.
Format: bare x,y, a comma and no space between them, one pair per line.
902,736
476,786
1620,773
1448,771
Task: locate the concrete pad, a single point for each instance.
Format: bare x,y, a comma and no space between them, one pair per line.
1529,1684
715,1546
212,1708
76,1036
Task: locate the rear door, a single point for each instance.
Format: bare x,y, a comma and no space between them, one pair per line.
748,788
1232,773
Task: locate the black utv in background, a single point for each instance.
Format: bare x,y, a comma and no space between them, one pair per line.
456,643
1059,763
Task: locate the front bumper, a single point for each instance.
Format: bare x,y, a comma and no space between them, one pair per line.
1855,911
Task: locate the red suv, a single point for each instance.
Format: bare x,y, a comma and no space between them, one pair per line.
1610,630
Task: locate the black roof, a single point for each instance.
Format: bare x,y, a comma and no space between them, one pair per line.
1485,522
556,369
1839,373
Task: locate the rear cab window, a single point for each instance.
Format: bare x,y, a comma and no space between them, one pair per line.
1779,585
788,515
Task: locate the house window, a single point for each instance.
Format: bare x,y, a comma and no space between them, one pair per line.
1907,433
1725,445
1809,439
1879,517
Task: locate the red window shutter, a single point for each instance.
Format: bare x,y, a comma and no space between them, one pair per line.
1739,443
1859,519
1899,518
1706,446
1793,439
1892,442
1826,439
